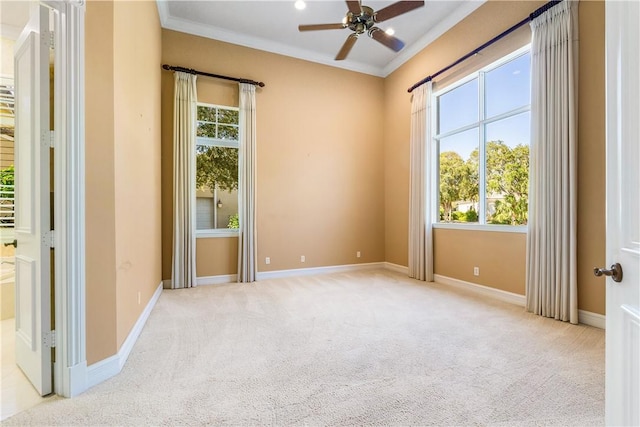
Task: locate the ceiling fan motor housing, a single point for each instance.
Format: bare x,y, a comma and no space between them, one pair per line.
362,22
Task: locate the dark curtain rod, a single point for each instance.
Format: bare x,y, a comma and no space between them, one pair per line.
217,76
477,50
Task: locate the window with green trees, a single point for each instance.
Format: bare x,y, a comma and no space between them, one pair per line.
217,139
482,137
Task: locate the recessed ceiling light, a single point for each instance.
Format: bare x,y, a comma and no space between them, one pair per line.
390,31
300,4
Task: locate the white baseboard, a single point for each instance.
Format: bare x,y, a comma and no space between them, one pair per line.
207,280
265,275
102,370
481,289
396,267
111,366
217,280
592,319
584,317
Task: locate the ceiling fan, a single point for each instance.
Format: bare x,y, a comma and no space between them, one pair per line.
362,19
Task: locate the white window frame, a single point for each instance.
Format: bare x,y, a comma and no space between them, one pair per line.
215,142
434,147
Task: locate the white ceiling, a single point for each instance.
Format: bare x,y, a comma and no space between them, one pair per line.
273,26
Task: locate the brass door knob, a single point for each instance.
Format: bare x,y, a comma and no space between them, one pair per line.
615,272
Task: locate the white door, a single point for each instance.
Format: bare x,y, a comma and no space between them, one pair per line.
32,220
622,394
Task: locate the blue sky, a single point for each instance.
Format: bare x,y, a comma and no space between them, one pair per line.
507,87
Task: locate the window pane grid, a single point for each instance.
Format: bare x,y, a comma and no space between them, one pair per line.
216,182
217,123
489,182
482,101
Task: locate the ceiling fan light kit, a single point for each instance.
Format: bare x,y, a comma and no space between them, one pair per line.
362,19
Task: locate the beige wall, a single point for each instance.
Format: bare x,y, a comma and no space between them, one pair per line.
137,52
498,255
99,182
6,56
123,45
469,247
591,158
320,166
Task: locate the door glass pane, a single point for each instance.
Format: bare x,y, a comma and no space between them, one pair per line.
508,86
458,177
507,170
458,107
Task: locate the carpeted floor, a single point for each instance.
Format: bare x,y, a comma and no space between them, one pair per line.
363,348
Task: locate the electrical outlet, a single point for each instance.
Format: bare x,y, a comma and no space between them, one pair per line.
476,271
267,260
358,254
302,258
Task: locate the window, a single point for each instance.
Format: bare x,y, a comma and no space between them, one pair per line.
216,169
482,138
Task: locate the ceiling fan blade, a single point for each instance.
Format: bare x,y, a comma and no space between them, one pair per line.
395,9
389,41
315,27
346,47
354,6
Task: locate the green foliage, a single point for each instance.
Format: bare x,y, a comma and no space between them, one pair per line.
457,216
470,189
7,176
452,174
471,216
468,216
508,176
234,221
507,180
217,166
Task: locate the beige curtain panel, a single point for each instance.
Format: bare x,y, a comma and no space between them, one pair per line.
183,271
420,186
247,248
551,282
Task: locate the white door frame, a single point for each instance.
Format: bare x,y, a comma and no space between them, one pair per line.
70,368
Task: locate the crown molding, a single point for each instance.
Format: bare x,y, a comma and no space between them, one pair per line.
171,23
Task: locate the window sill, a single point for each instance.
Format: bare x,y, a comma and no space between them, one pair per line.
522,229
205,234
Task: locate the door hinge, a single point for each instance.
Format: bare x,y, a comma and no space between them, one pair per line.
49,238
48,39
49,339
48,138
